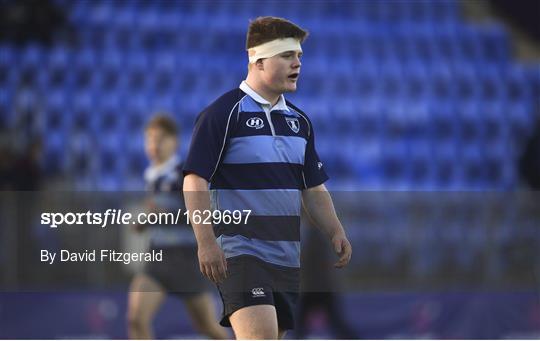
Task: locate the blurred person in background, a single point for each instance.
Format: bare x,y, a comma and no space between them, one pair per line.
178,273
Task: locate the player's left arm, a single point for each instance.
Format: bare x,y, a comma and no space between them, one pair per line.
318,204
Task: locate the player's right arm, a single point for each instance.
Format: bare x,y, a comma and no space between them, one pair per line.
210,136
212,260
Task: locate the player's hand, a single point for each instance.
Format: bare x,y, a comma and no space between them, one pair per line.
212,262
343,249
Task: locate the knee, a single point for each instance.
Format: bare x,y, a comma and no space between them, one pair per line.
203,325
137,322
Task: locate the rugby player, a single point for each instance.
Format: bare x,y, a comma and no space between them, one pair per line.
178,273
252,149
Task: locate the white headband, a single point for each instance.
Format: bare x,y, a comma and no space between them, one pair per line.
273,48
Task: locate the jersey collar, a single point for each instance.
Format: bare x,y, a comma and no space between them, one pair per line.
154,172
280,105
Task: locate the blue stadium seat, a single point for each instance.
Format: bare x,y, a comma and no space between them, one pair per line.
394,163
393,11
419,11
472,158
9,55
111,80
32,56
85,63
446,42
57,111
521,120
443,85
82,143
78,15
420,162
100,13
470,123
396,121
494,43
163,103
495,173
347,112
7,113
54,155
391,80
112,60
491,85
466,79
110,113
27,99
445,10
469,43
124,19
416,84
516,84
494,113
58,66
370,120
368,79
163,72
446,166
148,21
84,101
137,160
136,71
30,64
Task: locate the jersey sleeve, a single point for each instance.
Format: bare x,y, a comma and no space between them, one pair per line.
313,171
210,136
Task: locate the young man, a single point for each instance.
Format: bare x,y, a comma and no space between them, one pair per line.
177,273
257,152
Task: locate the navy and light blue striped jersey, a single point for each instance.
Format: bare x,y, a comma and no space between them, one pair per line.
260,159
165,183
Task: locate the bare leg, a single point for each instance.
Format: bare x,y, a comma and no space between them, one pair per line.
203,314
255,322
144,298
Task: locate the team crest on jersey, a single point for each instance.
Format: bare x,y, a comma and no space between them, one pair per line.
292,122
255,122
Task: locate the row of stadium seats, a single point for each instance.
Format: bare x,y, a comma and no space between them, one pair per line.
396,83
389,240
418,165
368,119
487,44
117,72
152,13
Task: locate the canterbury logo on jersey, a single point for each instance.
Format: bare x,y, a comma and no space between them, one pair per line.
258,292
255,122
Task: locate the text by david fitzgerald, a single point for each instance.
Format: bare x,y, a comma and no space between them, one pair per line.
101,256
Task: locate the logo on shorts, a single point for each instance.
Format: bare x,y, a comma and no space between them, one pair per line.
319,165
258,292
255,122
293,124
